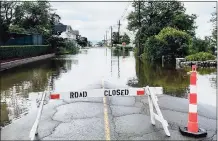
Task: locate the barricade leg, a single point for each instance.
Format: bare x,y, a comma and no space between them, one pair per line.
153,102
151,110
34,130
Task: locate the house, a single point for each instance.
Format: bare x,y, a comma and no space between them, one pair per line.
66,31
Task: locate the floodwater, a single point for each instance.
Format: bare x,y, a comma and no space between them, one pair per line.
71,72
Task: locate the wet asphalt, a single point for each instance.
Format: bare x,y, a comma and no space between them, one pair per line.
128,119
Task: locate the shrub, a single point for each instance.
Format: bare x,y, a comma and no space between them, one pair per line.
71,46
201,56
170,43
68,47
9,52
56,42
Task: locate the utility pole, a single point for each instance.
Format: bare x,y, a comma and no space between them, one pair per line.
118,65
104,40
106,37
111,37
139,35
119,32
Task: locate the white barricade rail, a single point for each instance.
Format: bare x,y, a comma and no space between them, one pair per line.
151,92
103,92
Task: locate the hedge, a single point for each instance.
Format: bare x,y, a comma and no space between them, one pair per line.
201,56
9,52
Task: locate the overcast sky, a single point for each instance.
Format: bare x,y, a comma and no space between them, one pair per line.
92,19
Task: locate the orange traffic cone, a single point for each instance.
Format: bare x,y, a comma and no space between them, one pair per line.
192,129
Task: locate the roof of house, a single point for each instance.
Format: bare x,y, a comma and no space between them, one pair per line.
60,27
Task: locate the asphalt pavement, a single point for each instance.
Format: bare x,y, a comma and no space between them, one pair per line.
112,118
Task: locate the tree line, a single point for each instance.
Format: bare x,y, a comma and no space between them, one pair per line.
35,17
164,29
27,17
119,39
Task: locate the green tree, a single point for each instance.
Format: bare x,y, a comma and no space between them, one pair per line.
170,43
27,17
211,44
90,44
100,43
115,38
213,20
125,38
6,18
35,16
199,45
213,38
156,15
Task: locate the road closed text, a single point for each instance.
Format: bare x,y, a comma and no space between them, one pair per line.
78,94
116,92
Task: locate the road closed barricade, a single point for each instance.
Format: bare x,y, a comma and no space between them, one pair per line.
103,93
150,92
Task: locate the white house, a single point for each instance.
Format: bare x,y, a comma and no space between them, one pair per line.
68,33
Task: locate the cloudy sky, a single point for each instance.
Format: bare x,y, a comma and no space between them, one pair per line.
93,19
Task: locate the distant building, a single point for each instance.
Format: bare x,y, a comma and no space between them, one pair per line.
108,42
76,32
66,32
84,39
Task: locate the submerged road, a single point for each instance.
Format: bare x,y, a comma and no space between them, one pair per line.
110,118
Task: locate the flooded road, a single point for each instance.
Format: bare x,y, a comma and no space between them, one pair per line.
20,86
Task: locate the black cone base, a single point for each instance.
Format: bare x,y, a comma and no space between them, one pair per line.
201,132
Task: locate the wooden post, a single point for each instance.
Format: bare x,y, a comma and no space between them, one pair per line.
162,61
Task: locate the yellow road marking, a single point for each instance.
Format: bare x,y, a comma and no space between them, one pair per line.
106,121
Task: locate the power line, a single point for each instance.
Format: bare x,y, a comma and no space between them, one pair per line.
122,17
124,12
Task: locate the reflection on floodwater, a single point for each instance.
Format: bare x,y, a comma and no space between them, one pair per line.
17,83
174,82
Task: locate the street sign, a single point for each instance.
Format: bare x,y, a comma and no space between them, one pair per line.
124,44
